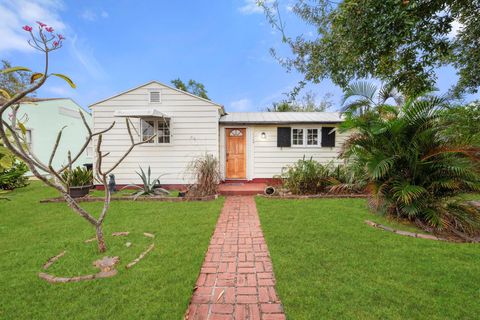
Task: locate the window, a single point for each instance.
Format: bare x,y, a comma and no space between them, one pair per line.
148,129
236,133
155,97
163,135
161,127
297,137
312,137
308,137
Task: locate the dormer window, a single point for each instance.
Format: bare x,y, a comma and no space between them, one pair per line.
155,96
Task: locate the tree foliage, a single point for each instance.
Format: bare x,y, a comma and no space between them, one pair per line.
193,87
14,82
401,42
413,169
307,103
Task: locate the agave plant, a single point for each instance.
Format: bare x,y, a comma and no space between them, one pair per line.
413,170
149,187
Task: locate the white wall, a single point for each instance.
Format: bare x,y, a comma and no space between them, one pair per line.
194,132
265,159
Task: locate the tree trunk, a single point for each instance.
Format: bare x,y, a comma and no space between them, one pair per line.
100,240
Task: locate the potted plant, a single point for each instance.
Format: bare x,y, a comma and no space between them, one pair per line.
79,181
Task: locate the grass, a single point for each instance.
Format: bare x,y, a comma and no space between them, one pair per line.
158,287
330,265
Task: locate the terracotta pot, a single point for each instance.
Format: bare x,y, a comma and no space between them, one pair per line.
78,192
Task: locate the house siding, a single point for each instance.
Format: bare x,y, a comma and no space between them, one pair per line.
266,160
194,132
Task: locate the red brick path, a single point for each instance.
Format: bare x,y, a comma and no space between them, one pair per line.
236,280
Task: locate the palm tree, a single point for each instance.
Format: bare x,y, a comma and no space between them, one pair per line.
413,170
362,96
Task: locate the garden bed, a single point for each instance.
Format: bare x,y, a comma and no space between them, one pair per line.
317,196
131,198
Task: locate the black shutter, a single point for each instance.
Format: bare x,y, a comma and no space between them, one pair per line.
283,137
328,138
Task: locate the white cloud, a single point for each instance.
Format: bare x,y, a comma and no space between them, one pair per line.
85,55
15,14
250,7
241,105
91,15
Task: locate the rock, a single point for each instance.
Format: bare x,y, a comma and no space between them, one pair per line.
106,274
120,234
128,244
406,233
426,236
47,277
106,264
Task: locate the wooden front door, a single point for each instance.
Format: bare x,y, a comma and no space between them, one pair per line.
236,153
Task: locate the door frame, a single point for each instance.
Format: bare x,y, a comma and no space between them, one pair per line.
248,149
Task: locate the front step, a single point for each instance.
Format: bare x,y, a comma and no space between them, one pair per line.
241,189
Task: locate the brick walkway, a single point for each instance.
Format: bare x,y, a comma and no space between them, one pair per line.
236,280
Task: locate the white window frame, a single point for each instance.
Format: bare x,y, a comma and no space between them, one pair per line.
150,91
305,137
156,121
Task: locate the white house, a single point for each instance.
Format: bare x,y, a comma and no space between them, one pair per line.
250,146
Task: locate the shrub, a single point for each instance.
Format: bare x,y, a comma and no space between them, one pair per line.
13,177
78,177
206,171
413,169
307,177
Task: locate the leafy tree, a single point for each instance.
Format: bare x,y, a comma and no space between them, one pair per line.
192,87
462,123
362,96
307,103
401,42
413,170
14,82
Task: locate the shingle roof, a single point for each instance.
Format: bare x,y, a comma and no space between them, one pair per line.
280,117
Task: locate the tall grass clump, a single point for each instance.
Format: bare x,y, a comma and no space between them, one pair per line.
206,173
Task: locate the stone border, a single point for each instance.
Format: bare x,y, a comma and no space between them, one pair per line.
403,233
317,196
129,198
108,272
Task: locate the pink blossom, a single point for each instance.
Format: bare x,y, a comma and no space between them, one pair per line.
55,43
27,28
41,24
49,29
60,37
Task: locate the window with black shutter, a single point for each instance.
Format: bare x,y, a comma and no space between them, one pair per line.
328,137
284,137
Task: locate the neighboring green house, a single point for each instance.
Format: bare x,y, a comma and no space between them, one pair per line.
44,118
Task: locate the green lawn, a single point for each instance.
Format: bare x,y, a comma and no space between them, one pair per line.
330,265
158,287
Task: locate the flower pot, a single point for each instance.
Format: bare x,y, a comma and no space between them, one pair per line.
78,192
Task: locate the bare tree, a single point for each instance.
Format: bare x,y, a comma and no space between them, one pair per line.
12,133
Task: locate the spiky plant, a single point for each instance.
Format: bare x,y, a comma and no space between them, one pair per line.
412,168
149,187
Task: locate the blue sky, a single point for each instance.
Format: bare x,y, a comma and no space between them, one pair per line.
112,46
